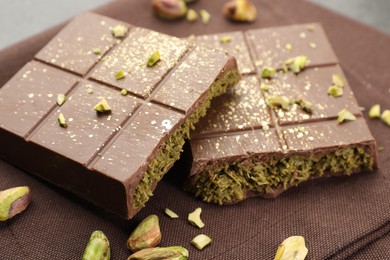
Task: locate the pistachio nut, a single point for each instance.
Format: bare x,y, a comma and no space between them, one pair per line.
292,248
385,117
146,234
375,111
169,9
345,115
13,201
98,247
281,101
172,253
194,218
170,213
240,11
102,106
305,105
201,241
267,72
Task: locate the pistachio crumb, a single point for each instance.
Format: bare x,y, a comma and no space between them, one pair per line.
310,27
205,16
267,72
381,148
194,218
313,45
375,111
302,35
298,64
201,241
119,31
226,39
61,98
124,92
120,75
305,105
289,46
292,248
264,126
192,15
281,101
170,213
96,51
386,117
62,120
102,106
89,90
264,87
335,91
344,115
153,59
338,80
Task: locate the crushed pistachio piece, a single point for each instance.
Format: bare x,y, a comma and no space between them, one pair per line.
96,51
280,101
192,15
264,87
170,213
119,31
226,39
62,120
102,106
153,59
89,90
305,105
337,80
201,241
375,111
61,98
386,117
205,16
335,91
313,45
120,75
124,92
289,46
310,27
298,64
292,248
267,72
194,218
381,148
344,115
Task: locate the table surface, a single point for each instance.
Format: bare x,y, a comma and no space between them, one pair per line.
24,18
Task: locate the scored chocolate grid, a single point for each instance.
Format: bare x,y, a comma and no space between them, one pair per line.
268,40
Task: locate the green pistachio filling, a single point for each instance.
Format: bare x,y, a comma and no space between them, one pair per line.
174,143
229,183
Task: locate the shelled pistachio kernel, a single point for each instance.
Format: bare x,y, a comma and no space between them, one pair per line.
204,16
153,59
119,75
385,117
169,9
119,31
201,241
335,91
192,15
298,64
170,213
240,11
13,201
375,111
172,252
61,98
146,234
267,72
226,39
62,120
98,247
280,101
292,248
194,218
124,92
344,115
337,80
102,106
96,51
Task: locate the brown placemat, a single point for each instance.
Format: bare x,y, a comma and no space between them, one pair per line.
345,217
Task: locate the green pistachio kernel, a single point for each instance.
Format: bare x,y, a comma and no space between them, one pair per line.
172,253
194,218
292,248
153,59
102,106
305,105
386,117
337,80
335,91
61,98
280,101
96,51
119,31
147,234
375,111
344,115
170,213
298,64
226,39
205,16
62,120
201,241
13,201
267,72
98,247
119,75
124,92
264,87
192,15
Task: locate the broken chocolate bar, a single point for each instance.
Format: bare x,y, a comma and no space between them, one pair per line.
104,108
278,127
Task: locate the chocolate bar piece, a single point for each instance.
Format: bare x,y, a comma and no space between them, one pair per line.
278,127
127,99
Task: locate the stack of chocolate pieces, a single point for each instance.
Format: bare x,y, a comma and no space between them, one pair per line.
279,126
104,108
